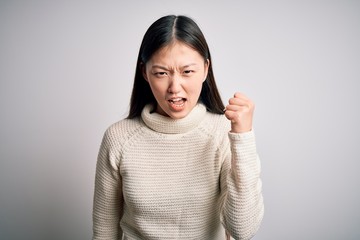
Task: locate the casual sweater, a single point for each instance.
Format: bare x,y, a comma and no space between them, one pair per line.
189,178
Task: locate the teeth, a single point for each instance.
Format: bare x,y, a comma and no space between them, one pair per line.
175,99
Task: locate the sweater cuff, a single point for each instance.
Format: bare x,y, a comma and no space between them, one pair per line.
242,137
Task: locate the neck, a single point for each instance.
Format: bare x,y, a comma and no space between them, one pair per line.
163,124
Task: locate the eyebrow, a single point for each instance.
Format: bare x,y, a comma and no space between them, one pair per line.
165,68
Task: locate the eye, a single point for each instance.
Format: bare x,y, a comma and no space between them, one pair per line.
187,72
160,74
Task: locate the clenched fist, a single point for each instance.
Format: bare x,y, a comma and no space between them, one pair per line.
240,112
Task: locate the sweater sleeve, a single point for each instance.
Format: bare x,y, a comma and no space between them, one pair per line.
107,206
243,207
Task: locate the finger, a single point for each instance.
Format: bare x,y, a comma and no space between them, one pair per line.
233,116
239,101
237,108
229,115
241,95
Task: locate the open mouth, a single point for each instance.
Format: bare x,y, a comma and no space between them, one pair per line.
177,102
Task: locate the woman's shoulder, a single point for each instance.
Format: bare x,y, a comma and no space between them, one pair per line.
123,129
216,127
216,124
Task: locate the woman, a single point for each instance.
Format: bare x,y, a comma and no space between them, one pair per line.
176,168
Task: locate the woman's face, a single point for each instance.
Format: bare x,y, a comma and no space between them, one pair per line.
175,74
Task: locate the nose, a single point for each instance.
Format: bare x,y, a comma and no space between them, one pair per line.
174,85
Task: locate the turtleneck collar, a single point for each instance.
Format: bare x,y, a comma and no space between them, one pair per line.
163,124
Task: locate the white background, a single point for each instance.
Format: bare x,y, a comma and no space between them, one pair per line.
67,68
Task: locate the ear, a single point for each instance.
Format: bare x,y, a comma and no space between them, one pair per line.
206,66
143,71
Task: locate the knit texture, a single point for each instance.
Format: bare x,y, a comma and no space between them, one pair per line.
160,178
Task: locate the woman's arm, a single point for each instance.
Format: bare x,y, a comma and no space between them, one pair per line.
243,207
108,200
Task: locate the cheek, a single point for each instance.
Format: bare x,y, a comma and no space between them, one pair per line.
158,88
197,85
200,88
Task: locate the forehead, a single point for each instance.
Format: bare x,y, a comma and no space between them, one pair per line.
176,53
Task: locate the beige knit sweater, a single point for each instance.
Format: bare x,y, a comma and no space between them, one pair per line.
159,178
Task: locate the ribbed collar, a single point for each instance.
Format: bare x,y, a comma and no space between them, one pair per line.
163,124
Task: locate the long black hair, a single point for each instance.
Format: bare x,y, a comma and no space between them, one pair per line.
161,33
